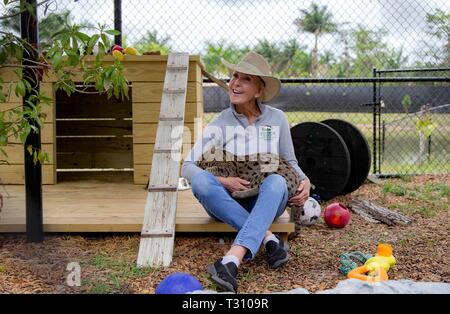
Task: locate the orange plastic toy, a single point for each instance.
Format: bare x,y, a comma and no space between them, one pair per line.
375,268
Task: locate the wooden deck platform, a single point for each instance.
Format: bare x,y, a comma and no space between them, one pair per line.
97,206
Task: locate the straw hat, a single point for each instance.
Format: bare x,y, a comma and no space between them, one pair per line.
255,64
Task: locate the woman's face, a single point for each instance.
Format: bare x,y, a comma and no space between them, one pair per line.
244,88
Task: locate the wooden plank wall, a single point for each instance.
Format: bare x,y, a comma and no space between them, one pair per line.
93,132
146,103
129,134
12,172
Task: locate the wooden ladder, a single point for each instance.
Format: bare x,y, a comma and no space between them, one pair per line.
158,230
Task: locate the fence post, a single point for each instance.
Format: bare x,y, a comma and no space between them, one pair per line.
383,141
118,21
33,172
374,126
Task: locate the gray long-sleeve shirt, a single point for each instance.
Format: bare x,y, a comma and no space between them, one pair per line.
231,131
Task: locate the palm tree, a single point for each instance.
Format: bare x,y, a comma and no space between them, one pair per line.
270,51
216,51
279,56
317,21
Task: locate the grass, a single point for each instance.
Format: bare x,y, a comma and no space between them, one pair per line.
353,117
429,198
405,168
408,209
205,278
442,190
406,178
118,271
249,276
298,251
125,266
97,287
394,189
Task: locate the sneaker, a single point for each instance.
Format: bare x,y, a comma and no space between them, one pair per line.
224,276
277,253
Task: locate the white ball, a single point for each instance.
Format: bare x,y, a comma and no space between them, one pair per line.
310,212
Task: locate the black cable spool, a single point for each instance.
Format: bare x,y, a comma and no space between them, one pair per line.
323,155
358,149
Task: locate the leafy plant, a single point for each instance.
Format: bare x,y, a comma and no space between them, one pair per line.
406,103
66,55
438,26
425,125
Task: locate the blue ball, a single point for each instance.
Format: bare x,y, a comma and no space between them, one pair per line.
178,283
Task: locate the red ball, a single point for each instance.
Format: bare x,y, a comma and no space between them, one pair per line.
336,215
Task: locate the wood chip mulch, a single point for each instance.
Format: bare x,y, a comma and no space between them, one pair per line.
108,260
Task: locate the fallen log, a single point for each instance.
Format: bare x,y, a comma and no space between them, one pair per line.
374,213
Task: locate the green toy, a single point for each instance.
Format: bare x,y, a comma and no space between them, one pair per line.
348,261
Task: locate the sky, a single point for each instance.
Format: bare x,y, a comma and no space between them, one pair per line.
190,23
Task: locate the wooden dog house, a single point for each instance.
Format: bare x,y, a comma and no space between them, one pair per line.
100,156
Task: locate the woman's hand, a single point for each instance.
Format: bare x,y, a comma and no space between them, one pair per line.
234,184
302,196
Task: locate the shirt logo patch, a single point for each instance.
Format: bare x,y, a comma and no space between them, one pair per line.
266,132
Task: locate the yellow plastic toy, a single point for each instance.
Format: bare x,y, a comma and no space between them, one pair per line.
375,268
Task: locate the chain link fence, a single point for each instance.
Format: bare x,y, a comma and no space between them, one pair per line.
414,123
300,38
315,40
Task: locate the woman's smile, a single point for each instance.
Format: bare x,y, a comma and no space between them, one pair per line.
244,88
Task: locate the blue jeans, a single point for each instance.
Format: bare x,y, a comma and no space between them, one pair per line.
252,216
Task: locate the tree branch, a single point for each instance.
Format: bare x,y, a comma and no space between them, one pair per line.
80,90
20,41
20,66
4,17
10,109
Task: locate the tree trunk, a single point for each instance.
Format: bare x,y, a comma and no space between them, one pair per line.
314,57
423,139
423,148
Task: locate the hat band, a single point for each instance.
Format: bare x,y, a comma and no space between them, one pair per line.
264,82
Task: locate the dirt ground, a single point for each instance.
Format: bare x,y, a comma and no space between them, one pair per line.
108,260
